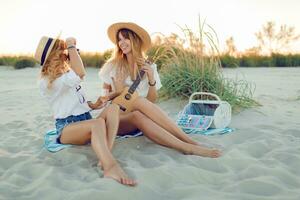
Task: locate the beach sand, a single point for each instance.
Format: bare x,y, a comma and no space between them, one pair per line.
261,158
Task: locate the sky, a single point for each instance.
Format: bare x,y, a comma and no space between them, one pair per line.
23,22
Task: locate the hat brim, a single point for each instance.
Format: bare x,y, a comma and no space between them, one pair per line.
142,33
44,49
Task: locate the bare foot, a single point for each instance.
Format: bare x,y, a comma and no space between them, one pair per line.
100,165
206,152
193,142
188,140
116,172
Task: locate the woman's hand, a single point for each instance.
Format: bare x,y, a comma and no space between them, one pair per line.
74,58
101,102
70,41
146,66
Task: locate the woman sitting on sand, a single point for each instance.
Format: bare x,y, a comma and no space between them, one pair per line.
131,42
61,74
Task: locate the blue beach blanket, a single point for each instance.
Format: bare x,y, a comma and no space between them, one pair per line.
51,144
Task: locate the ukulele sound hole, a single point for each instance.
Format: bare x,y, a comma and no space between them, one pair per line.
123,108
127,96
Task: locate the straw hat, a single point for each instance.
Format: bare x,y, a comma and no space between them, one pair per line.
142,33
43,49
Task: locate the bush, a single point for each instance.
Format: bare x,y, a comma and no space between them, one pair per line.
2,61
281,60
24,62
248,61
160,55
8,60
229,61
264,61
107,54
92,59
95,59
295,60
187,70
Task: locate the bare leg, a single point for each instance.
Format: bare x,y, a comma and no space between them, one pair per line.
159,117
81,132
160,136
111,116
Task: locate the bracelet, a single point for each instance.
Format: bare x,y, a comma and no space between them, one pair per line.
152,84
71,46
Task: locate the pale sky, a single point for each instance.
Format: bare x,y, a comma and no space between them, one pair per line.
23,22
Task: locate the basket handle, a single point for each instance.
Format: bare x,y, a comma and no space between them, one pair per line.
204,93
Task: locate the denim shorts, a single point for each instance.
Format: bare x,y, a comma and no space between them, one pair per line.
60,124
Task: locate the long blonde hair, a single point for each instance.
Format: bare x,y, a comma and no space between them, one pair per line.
56,64
120,60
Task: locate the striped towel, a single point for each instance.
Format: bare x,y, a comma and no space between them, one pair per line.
210,131
50,142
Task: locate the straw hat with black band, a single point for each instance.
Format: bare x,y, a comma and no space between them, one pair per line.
142,33
43,49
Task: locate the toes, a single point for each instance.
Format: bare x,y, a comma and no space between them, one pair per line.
217,153
126,181
131,182
134,183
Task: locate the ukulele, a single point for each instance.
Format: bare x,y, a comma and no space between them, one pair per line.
128,96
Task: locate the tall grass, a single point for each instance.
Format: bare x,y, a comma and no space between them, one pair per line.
244,60
95,59
18,62
8,60
255,60
89,59
193,65
25,62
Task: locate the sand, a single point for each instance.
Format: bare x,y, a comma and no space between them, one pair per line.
261,158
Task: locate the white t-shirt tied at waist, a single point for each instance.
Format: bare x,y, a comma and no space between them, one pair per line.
108,71
66,97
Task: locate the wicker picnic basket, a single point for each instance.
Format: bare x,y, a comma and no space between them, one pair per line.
208,111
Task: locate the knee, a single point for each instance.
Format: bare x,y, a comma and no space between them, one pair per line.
143,102
113,108
98,123
140,100
97,127
137,115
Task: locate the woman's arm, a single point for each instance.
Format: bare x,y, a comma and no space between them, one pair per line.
102,99
152,93
75,59
111,94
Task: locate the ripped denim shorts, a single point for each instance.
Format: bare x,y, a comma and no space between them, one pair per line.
60,124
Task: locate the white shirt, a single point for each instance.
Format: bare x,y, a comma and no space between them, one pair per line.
108,71
66,96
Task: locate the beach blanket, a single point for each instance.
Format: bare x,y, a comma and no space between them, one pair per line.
51,144
211,131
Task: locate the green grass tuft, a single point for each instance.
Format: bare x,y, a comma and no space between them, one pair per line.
196,67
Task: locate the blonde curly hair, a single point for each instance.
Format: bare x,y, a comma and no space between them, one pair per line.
56,64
